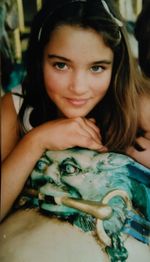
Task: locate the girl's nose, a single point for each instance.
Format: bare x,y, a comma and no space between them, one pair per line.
79,83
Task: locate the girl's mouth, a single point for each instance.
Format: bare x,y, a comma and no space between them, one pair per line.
77,102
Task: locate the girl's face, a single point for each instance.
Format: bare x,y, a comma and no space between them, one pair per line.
77,68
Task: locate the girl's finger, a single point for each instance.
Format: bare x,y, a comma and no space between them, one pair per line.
92,120
87,141
91,129
143,142
93,126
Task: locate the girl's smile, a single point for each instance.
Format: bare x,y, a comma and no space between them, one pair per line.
77,102
77,69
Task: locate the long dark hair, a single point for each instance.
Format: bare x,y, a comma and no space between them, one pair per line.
116,114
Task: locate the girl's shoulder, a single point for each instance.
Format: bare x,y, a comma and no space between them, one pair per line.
10,127
13,100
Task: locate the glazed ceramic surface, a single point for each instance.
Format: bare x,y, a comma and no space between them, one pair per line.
82,206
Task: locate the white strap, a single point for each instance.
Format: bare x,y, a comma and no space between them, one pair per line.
17,100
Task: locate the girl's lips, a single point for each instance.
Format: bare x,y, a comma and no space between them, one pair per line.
77,102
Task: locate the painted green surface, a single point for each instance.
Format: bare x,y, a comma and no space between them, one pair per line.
89,175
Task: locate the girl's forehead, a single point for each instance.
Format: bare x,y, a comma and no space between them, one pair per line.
75,40
75,31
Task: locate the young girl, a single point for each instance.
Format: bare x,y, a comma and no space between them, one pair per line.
80,90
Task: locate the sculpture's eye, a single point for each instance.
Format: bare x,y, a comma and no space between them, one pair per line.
41,166
70,169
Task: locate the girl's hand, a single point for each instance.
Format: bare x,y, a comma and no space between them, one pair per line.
142,155
67,133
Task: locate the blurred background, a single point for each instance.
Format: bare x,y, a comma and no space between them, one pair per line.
15,21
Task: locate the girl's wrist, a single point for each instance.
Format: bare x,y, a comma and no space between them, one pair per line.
34,141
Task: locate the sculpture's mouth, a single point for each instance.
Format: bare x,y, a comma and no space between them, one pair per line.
48,199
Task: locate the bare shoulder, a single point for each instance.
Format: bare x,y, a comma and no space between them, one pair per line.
9,125
7,101
8,111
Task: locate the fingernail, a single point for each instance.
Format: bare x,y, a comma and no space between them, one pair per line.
103,149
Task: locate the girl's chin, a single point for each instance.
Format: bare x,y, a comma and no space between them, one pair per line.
73,115
70,114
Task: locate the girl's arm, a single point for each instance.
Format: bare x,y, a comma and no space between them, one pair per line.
19,156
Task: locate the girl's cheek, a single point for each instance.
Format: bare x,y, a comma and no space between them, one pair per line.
54,82
102,85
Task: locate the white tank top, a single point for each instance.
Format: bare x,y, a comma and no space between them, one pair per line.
18,101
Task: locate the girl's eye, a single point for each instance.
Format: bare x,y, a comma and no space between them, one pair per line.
60,66
97,69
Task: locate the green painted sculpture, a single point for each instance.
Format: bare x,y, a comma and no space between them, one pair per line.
107,193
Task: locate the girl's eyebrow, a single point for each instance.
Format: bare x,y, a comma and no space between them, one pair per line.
59,57
105,61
